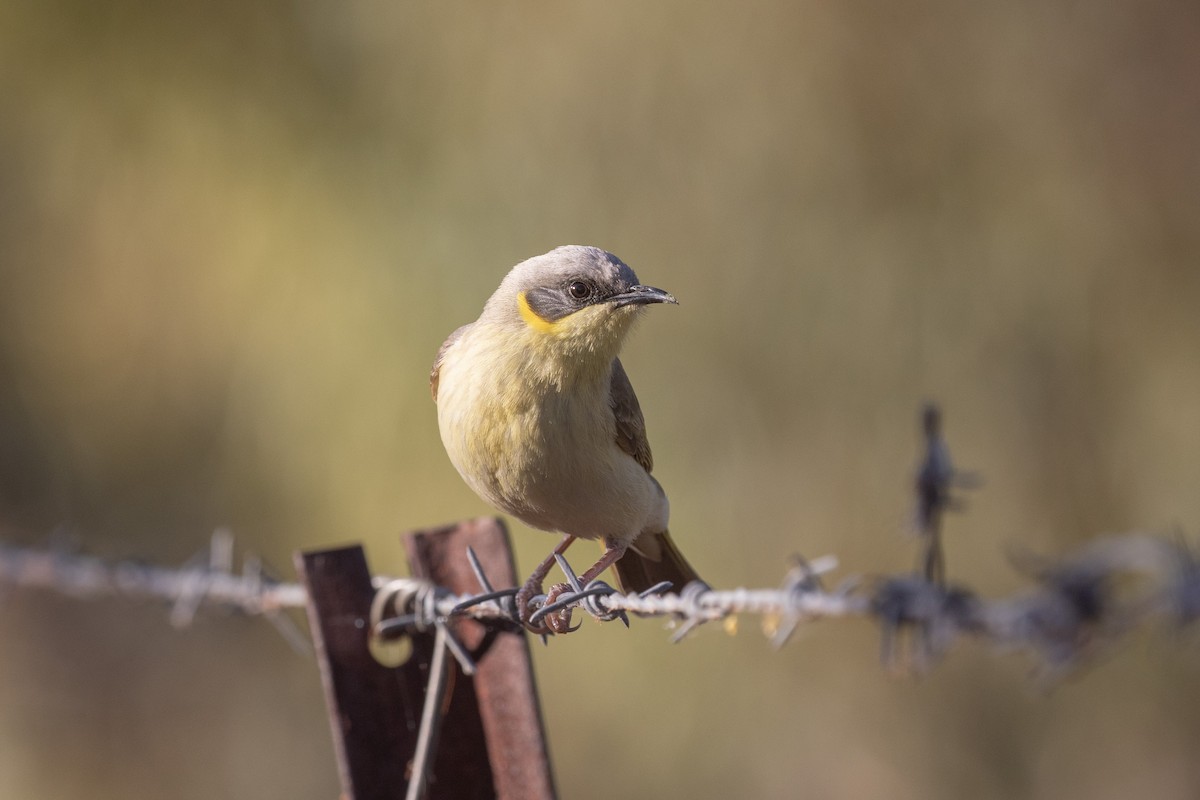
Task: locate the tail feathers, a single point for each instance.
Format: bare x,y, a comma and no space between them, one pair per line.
637,572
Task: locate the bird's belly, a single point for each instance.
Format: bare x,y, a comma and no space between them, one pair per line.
603,495
549,460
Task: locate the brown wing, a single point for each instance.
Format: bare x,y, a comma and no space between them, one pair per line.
435,373
631,426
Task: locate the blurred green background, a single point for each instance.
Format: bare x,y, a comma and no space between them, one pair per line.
232,236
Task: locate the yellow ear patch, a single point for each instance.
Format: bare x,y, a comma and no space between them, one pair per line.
532,318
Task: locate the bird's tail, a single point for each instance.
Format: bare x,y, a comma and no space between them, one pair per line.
651,559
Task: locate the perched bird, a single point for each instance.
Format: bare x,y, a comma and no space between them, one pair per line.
538,416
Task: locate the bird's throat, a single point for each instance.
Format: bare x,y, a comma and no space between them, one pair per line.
534,320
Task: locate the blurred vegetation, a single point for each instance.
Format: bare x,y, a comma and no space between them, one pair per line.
233,235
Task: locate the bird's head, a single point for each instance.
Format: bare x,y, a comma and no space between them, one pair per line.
573,302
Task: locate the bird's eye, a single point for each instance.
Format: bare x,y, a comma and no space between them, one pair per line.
580,290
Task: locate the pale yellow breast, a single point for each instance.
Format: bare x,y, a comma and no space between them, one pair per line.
536,439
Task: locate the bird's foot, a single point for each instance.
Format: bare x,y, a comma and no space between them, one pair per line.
554,622
531,589
558,621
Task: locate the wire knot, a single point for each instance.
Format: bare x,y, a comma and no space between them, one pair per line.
592,601
405,605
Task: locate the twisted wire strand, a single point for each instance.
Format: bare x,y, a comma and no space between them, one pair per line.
1075,607
200,582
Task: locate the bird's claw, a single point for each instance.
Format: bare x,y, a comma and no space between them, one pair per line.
557,622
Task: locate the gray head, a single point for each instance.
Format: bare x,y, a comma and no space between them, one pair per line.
567,280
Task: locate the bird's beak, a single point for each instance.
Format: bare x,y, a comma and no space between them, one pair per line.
640,296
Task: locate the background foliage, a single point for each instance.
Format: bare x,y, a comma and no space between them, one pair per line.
232,236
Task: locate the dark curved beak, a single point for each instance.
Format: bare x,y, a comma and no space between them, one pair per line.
640,296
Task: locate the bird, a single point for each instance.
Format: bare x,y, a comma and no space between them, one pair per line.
540,419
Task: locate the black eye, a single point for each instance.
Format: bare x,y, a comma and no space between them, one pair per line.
580,290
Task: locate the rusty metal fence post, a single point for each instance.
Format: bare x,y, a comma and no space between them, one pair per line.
492,741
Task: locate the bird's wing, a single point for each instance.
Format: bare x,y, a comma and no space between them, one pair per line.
631,426
435,373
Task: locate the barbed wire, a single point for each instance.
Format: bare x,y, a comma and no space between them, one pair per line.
1077,607
206,580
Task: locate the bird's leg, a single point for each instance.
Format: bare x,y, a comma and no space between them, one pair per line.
611,555
533,585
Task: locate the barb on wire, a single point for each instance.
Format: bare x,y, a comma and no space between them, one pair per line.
936,480
206,580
